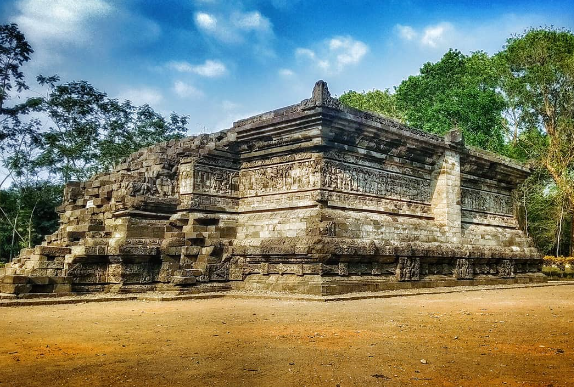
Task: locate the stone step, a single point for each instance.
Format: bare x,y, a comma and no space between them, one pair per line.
193,272
52,250
15,279
183,281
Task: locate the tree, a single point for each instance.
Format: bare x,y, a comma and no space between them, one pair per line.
88,133
540,68
69,148
91,132
14,52
131,128
376,101
28,214
543,213
457,91
14,136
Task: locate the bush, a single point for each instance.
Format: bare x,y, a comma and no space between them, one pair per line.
550,260
562,267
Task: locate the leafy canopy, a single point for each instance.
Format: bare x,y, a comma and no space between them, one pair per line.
376,101
539,72
91,132
14,52
457,91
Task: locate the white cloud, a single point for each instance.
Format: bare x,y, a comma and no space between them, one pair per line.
229,105
209,69
349,51
406,32
185,90
251,21
58,28
62,20
287,73
206,21
335,54
142,95
310,54
232,26
435,35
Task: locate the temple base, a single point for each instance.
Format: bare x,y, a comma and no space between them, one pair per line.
336,285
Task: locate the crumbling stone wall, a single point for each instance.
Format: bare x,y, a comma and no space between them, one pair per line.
315,197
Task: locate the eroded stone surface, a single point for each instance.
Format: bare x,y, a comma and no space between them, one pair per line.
314,191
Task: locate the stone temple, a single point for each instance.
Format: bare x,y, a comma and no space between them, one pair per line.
313,198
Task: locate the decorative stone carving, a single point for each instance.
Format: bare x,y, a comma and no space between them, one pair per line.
215,180
343,269
286,177
476,200
464,269
408,269
344,177
506,268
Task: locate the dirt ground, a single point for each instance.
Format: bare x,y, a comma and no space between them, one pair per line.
509,337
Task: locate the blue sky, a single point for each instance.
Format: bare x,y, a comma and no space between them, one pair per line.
219,61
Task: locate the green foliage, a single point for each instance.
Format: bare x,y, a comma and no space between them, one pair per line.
530,144
131,128
544,212
537,73
91,132
538,78
87,132
458,91
32,210
14,52
69,147
376,101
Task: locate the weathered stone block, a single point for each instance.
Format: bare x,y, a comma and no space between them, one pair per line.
15,279
15,288
183,281
52,250
39,280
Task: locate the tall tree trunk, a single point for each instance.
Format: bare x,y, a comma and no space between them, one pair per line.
572,234
525,213
30,225
559,234
14,231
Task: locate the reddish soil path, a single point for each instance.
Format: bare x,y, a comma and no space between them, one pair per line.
510,337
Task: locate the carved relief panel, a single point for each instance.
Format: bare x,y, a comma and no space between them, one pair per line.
295,176
344,177
208,179
186,179
477,200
